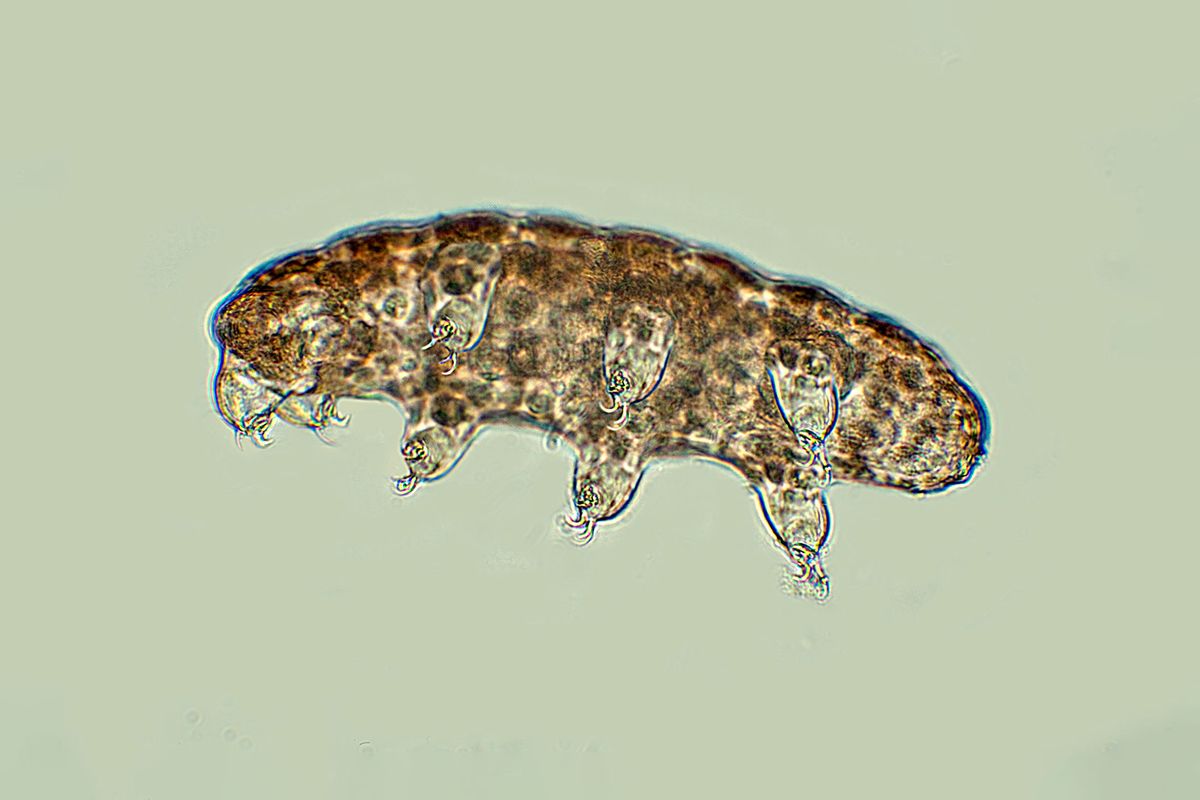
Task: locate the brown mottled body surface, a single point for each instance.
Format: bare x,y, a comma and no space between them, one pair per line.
628,345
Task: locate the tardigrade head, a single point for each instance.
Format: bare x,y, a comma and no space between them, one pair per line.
909,420
312,327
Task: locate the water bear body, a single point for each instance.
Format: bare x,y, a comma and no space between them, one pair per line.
628,345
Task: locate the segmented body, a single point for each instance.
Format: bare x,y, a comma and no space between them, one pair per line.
628,345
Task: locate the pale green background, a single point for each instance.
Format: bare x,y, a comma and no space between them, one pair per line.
183,619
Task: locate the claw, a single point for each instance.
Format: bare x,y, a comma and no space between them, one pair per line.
261,440
406,485
806,577
327,412
580,531
442,332
316,413
582,528
589,533
579,522
623,420
257,428
637,346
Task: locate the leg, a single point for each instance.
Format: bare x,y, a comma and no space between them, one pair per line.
790,480
805,529
444,425
802,378
457,286
607,473
429,453
637,345
315,412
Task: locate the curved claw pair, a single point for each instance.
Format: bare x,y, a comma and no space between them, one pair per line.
313,413
617,404
442,332
257,429
806,576
261,440
581,530
406,485
452,358
328,414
